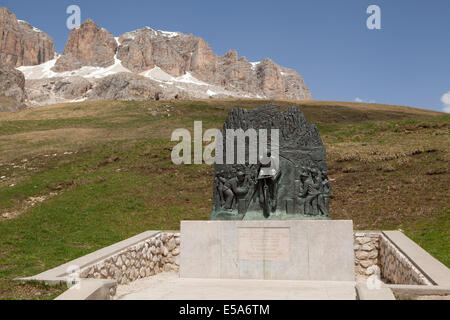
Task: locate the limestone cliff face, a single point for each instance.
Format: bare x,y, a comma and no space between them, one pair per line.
12,85
136,51
236,74
270,79
177,53
203,62
21,44
294,85
175,65
88,45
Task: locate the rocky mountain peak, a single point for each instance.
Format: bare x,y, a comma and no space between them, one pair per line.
88,23
22,44
141,64
88,45
7,18
231,56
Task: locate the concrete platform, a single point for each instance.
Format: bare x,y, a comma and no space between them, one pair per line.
298,250
169,286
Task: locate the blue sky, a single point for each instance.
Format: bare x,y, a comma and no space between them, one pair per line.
407,62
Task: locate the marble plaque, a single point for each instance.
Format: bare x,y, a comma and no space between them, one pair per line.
265,244
304,250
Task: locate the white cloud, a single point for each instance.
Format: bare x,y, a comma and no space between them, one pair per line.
363,101
446,101
446,98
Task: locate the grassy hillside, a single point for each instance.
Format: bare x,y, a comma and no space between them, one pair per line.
77,177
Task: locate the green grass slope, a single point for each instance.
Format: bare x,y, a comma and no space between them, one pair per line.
77,177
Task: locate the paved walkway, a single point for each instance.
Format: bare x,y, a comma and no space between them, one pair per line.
168,286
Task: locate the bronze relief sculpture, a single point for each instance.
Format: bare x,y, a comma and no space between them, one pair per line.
291,183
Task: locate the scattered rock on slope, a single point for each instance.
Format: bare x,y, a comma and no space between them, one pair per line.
129,86
57,90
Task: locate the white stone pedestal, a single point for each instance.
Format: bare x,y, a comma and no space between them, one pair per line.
270,250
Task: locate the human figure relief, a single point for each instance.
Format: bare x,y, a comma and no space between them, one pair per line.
324,197
236,188
268,182
219,184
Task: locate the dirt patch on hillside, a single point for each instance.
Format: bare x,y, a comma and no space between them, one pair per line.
27,204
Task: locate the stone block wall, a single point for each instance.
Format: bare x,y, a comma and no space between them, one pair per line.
367,252
376,255
152,256
396,268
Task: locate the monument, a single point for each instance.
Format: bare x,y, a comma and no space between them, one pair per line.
293,185
270,218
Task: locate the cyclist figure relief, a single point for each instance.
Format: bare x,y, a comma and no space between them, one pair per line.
269,174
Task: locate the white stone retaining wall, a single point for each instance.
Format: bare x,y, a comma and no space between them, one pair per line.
367,251
375,254
152,256
396,268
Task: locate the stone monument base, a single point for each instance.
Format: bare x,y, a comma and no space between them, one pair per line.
320,250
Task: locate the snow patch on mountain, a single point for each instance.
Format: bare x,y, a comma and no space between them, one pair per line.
169,34
158,74
27,23
188,78
255,64
44,70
